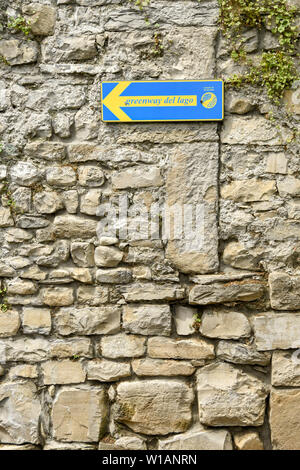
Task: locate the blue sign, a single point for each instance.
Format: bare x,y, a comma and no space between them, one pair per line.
190,100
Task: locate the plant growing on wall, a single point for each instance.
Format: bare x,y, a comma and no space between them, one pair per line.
276,69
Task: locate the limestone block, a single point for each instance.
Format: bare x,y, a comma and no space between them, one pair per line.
69,48
122,345
285,419
72,226
184,319
192,186
45,150
147,292
240,353
61,176
248,440
18,52
218,292
285,369
155,367
154,406
249,190
147,319
41,18
224,324
252,130
25,173
36,320
277,331
198,438
104,370
108,256
284,291
19,413
227,396
114,276
168,348
47,202
79,414
57,296
62,372
9,323
137,178
88,320
90,176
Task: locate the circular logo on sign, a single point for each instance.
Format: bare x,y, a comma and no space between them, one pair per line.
209,100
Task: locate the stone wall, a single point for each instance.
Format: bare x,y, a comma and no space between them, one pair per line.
134,342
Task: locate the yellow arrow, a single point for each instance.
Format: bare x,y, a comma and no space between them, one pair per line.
113,101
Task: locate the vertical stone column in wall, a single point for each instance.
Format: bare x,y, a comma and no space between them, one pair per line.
192,180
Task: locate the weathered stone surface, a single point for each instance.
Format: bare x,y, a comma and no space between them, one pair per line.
45,150
61,176
192,179
114,276
184,319
72,226
25,173
108,256
88,320
224,324
290,186
57,296
146,292
218,292
167,348
237,255
41,18
36,320
154,406
147,319
155,367
25,371
17,235
285,369
277,163
93,296
104,370
277,331
248,440
227,396
64,372
249,190
79,414
82,253
285,419
74,347
238,104
137,178
6,219
239,353
198,438
91,176
85,152
284,291
47,202
65,49
18,52
252,130
19,413
9,323
21,287
90,201
122,345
